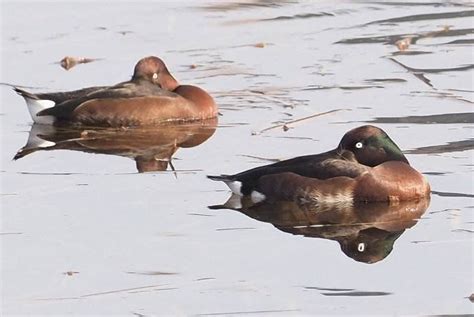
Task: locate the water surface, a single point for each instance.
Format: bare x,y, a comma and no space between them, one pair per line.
84,230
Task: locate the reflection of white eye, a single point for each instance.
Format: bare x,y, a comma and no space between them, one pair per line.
361,247
359,145
155,76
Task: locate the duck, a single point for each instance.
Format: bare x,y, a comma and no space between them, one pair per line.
366,166
152,96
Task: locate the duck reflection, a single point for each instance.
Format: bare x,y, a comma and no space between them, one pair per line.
366,232
152,147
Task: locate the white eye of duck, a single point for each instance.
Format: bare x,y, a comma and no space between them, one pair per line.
361,247
155,76
359,145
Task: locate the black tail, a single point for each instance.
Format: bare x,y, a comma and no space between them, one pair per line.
217,207
24,93
220,178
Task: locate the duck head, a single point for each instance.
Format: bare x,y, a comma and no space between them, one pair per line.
154,70
371,146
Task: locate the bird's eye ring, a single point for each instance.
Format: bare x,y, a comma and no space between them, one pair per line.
359,145
155,76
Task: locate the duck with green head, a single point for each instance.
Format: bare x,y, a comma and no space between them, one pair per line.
366,166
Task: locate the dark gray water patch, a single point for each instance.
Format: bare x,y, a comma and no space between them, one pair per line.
441,95
241,5
421,241
391,39
443,211
317,87
330,289
423,78
125,32
200,215
204,279
454,195
386,80
299,16
445,118
249,312
427,16
459,42
410,53
70,273
151,273
461,90
51,174
233,229
435,70
435,173
462,230
358,293
417,4
455,146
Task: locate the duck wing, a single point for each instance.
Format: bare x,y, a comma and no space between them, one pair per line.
321,166
64,110
58,97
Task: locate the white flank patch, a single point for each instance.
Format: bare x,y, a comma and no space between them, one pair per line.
35,106
235,187
257,197
335,199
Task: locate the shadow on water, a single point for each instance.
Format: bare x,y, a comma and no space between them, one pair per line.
445,118
240,5
455,146
365,232
152,148
417,4
424,17
346,292
392,39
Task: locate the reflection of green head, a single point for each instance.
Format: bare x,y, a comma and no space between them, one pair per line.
370,245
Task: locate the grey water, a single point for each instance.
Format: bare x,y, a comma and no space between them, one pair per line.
118,222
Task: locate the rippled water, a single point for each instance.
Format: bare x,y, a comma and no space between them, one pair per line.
84,232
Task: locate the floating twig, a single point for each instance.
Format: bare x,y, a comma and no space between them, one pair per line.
285,126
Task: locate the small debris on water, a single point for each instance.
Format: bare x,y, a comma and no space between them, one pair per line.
69,62
403,44
70,273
